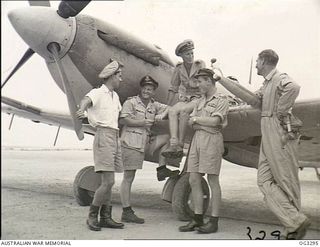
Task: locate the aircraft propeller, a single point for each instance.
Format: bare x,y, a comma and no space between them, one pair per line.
24,59
65,10
54,49
68,9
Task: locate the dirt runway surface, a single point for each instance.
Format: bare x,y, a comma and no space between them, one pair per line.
37,202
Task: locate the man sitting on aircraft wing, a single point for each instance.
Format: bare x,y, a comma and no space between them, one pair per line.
184,84
103,107
138,115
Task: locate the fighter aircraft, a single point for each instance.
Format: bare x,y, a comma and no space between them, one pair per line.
76,47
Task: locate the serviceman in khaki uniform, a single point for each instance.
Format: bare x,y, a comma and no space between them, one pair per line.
278,161
138,115
183,84
103,108
207,119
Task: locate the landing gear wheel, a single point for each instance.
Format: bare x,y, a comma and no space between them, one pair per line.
182,204
84,197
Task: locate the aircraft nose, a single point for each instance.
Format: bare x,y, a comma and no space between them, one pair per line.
40,26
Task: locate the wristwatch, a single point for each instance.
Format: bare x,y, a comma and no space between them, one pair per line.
194,120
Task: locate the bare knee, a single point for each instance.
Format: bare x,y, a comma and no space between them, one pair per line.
173,112
128,176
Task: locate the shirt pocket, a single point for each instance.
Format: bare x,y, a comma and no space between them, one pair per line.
133,138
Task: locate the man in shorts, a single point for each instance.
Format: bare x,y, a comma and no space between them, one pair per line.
207,119
103,108
138,115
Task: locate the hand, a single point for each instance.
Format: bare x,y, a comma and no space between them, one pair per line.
217,74
80,114
192,120
158,117
148,123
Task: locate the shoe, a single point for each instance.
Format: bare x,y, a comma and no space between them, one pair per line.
210,227
106,220
173,152
92,220
197,221
163,172
130,217
300,232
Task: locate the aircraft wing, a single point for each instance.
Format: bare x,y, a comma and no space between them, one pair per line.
38,115
242,136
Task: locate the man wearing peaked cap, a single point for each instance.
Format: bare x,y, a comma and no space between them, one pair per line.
205,72
103,108
137,117
208,118
186,45
148,80
183,85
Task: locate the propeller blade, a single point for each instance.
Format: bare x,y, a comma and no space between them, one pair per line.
54,49
24,59
39,3
68,9
250,73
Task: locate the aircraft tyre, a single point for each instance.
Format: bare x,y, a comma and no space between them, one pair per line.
182,204
84,197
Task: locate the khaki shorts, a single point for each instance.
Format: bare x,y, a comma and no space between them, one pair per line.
205,153
107,150
132,159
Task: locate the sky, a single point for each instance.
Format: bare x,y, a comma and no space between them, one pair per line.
233,31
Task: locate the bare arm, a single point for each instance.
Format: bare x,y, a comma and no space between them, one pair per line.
146,123
84,105
206,121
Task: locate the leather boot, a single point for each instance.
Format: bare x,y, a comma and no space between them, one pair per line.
92,220
210,227
163,172
128,215
300,232
197,221
173,152
106,220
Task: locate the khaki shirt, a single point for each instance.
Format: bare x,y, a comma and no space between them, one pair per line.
105,108
184,84
134,108
217,105
278,94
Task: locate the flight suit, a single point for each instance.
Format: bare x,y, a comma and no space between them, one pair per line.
278,164
186,85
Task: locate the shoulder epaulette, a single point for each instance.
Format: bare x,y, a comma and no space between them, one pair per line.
178,64
222,96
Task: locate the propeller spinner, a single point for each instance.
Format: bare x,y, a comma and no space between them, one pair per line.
51,37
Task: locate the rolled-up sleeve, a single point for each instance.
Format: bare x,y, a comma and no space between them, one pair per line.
221,110
93,96
160,107
127,109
